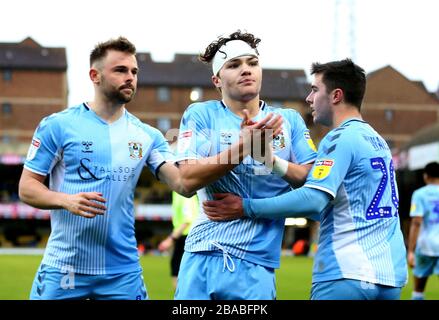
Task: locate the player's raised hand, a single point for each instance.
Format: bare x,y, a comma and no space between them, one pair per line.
271,125
85,204
226,206
258,136
246,121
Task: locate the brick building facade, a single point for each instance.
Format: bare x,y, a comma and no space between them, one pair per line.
398,107
33,84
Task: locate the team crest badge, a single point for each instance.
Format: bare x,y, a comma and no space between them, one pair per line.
135,150
322,168
279,142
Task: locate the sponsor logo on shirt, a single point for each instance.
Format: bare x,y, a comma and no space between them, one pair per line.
309,140
89,171
34,146
135,149
322,168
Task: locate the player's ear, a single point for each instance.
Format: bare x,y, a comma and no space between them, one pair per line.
216,81
337,96
94,75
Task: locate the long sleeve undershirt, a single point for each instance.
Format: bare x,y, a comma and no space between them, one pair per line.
302,202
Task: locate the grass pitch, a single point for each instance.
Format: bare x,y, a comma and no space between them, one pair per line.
293,278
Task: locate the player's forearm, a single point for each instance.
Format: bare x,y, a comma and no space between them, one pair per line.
297,173
303,202
39,196
198,173
178,186
177,232
171,175
415,226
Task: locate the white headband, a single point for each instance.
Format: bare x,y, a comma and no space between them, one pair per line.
231,50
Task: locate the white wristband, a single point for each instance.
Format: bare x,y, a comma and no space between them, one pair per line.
280,166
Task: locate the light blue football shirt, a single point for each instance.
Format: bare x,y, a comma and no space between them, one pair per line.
425,204
360,235
83,153
209,128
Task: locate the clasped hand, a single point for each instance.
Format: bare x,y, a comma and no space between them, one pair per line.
258,136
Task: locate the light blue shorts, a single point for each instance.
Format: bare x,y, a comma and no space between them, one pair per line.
212,276
52,284
425,266
349,289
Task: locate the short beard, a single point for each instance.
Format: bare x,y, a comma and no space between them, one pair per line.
117,97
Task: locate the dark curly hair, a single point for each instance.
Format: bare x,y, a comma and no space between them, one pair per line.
213,48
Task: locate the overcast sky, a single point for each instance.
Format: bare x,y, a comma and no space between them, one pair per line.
402,33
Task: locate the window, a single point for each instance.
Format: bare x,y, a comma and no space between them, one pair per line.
6,108
301,80
7,75
164,124
196,94
6,139
388,115
163,94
